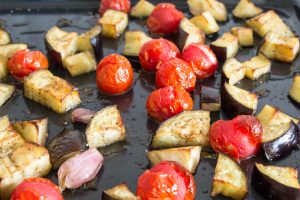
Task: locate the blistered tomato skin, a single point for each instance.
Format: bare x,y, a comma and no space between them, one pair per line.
175,72
239,138
168,102
114,75
167,180
120,5
164,19
36,189
157,51
202,59
24,62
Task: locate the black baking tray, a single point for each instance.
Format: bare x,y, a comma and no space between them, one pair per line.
28,20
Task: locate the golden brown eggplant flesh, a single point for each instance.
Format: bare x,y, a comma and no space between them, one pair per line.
142,9
233,71
119,192
244,35
246,9
210,99
276,183
206,23
4,37
294,92
6,92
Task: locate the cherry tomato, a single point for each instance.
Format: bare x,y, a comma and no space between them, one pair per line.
156,51
164,19
114,75
202,59
167,180
239,138
167,102
36,189
120,5
175,72
24,62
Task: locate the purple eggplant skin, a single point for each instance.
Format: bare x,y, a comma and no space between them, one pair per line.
282,145
272,189
52,54
221,52
96,43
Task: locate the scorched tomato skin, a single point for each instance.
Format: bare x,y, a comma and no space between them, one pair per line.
164,19
157,51
168,102
120,5
36,189
167,180
24,62
175,72
114,75
202,59
239,138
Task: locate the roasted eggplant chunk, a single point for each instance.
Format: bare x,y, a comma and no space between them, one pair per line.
189,128
233,71
4,37
269,22
10,139
225,47
65,145
3,67
216,8
189,34
35,131
119,192
10,49
105,128
246,9
244,36
294,92
229,179
113,23
142,9
257,66
279,47
189,157
49,90
210,99
280,183
206,23
134,40
6,92
28,160
236,101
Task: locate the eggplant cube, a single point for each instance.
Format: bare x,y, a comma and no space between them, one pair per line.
246,9
216,8
210,99
189,128
113,23
276,182
142,9
267,22
52,91
294,92
10,49
6,92
105,128
225,47
233,70
188,157
134,40
4,37
229,179
279,47
35,131
119,192
80,63
3,67
244,36
206,23
257,67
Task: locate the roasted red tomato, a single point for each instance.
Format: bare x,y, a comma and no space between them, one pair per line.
24,62
114,75
202,59
167,102
121,5
156,51
239,138
167,180
175,72
36,189
164,19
